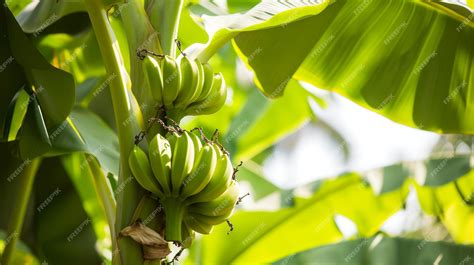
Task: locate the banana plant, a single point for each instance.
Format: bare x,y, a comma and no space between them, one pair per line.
122,135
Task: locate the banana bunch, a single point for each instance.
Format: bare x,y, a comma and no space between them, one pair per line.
193,180
185,88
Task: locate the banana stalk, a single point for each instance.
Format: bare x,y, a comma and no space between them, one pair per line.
174,213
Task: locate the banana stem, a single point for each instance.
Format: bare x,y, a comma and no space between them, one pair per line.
215,45
169,27
19,209
174,211
130,194
175,115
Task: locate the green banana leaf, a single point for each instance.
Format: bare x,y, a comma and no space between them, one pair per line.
263,237
453,204
78,167
444,170
408,60
189,31
23,67
82,131
272,122
350,196
22,253
38,15
384,250
252,173
433,172
17,6
62,231
235,6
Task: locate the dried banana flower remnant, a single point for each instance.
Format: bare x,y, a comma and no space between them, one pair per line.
154,245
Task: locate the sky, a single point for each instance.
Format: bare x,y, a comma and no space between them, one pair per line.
373,140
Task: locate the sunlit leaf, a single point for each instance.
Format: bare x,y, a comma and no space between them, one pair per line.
22,254
412,66
384,250
280,118
38,15
452,202
78,168
51,88
258,236
82,131
99,139
251,172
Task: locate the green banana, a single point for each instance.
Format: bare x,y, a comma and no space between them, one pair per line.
140,167
148,211
214,101
190,75
192,178
160,159
200,82
171,80
197,142
172,137
202,172
211,220
208,80
220,181
182,159
222,206
187,236
152,71
197,226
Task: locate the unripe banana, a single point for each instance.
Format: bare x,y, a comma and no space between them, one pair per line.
208,80
140,167
172,138
152,71
211,220
160,159
222,206
219,183
182,159
214,101
188,236
193,180
202,172
190,78
200,227
171,80
197,143
200,82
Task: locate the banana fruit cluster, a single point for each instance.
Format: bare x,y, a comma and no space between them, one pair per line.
185,88
193,180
